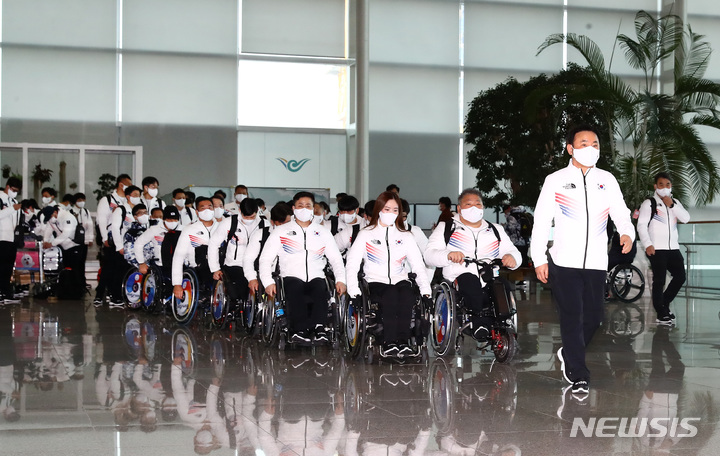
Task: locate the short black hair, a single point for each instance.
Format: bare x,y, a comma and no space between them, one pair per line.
348,203
121,178
299,195
392,187
79,195
574,130
157,208
339,196
69,198
14,182
176,191
446,201
369,206
662,175
137,208
260,202
219,198
29,203
220,193
240,186
149,181
200,199
132,188
189,197
248,206
280,212
325,206
49,190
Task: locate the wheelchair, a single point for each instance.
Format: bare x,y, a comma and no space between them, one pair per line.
451,320
362,327
273,321
132,289
225,310
155,289
625,282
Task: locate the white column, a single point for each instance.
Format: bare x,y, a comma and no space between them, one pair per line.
362,186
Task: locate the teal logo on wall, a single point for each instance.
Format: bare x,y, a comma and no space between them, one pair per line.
293,165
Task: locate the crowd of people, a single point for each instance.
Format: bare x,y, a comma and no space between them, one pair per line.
245,243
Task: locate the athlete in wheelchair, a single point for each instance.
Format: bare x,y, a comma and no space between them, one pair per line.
472,300
386,305
194,280
156,286
297,305
226,252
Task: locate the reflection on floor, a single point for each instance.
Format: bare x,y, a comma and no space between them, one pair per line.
76,380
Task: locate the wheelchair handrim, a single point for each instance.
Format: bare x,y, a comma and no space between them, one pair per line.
149,289
184,306
351,325
218,301
441,319
133,289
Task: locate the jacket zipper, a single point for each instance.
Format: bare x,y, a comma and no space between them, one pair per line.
307,272
587,220
667,211
387,245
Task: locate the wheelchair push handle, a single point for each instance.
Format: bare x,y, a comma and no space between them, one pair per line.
488,265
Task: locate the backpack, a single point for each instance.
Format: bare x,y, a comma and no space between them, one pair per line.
263,239
79,236
526,221
231,234
355,231
167,249
334,222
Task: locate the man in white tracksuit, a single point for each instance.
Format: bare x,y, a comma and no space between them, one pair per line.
658,233
302,247
579,199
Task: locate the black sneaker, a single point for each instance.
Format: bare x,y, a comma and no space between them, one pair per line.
665,320
672,316
580,387
98,302
300,337
116,304
321,335
562,366
390,350
481,333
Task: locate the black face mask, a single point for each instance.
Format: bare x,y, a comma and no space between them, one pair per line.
154,222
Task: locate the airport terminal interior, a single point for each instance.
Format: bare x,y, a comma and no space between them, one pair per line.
330,96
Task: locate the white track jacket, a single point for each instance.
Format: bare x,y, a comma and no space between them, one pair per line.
386,252
301,253
475,243
662,231
579,204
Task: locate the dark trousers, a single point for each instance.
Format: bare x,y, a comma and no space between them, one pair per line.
105,270
662,262
8,252
82,252
396,306
236,282
580,296
307,303
118,267
475,298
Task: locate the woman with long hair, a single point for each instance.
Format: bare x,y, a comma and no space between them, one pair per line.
387,253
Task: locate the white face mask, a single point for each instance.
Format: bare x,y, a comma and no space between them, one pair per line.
46,200
662,192
153,192
206,215
218,212
348,218
52,220
326,216
80,204
180,202
143,219
239,197
248,222
587,156
387,218
318,218
12,193
303,215
134,200
472,214
123,186
171,225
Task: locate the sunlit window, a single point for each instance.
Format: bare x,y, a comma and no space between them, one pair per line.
300,95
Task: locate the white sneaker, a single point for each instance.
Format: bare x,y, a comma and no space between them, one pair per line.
562,366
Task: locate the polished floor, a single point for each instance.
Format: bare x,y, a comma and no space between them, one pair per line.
79,380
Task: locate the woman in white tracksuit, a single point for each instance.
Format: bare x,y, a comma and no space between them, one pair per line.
388,252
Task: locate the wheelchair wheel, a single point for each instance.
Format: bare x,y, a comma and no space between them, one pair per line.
250,312
270,329
132,289
443,330
219,305
184,309
354,330
151,290
442,389
504,346
627,321
627,283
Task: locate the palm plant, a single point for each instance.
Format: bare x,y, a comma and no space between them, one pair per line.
656,131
